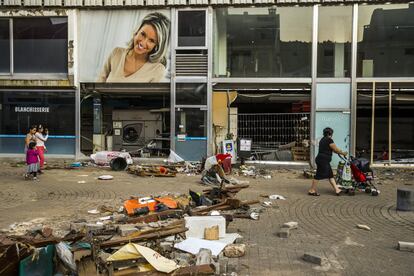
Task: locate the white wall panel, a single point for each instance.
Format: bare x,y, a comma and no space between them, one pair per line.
12,2
32,2
134,2
53,2
93,3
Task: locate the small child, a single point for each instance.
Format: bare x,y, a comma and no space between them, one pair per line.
32,161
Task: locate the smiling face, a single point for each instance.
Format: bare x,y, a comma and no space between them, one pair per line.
145,40
33,130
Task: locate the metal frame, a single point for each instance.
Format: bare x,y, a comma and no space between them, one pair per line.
314,71
262,80
196,79
354,96
28,76
205,47
172,80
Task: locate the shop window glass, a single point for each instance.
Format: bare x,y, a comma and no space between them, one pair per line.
191,94
40,45
386,40
4,46
334,41
191,28
263,42
191,122
21,109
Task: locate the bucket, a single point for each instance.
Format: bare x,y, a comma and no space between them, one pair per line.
118,164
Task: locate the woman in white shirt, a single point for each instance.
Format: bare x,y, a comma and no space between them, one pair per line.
41,137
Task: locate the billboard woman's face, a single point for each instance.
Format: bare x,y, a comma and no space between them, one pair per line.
145,40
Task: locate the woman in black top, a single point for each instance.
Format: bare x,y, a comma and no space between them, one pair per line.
323,159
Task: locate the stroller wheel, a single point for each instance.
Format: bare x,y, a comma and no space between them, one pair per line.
346,191
368,190
351,192
374,193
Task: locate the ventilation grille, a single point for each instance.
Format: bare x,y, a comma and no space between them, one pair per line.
191,64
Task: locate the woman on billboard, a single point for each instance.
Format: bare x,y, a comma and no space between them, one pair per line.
144,59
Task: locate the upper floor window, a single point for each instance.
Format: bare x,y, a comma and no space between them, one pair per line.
191,28
33,45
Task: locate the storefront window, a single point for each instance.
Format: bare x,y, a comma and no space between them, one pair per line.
191,28
40,45
263,42
334,41
191,122
4,46
191,94
386,41
22,109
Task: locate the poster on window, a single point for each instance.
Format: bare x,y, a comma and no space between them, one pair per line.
124,46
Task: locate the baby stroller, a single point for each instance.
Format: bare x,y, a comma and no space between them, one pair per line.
355,174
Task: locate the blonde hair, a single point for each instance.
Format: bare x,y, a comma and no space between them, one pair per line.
161,25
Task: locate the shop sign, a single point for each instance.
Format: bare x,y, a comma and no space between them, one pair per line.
30,109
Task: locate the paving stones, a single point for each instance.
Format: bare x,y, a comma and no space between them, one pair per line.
406,246
315,259
283,233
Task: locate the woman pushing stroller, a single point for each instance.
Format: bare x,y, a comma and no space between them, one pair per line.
323,159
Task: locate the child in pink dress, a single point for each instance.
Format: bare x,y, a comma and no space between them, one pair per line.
32,161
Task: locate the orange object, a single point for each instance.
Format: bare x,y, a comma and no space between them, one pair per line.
132,204
163,170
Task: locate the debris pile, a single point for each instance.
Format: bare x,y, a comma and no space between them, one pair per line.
254,172
169,233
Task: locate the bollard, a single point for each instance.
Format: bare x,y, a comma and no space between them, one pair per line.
405,199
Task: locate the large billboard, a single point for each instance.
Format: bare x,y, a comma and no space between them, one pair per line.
124,46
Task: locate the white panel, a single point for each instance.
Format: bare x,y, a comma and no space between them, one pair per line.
198,2
113,3
220,2
53,3
176,2
155,2
73,3
93,3
242,1
32,2
12,3
134,2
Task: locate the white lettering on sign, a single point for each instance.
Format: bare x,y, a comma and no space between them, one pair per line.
31,109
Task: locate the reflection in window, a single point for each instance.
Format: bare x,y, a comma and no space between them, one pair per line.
386,41
40,45
263,42
191,28
334,41
191,121
4,46
191,94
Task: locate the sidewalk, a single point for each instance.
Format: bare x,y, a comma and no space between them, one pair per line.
327,224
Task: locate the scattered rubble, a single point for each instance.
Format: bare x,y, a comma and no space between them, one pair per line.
406,246
170,233
315,259
364,227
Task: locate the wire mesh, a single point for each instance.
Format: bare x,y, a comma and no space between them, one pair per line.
269,130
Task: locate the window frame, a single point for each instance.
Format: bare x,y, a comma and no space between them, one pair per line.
204,47
31,76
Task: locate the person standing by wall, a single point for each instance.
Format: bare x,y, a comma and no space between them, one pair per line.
32,161
323,159
41,137
30,137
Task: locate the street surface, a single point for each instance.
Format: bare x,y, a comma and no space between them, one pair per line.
327,224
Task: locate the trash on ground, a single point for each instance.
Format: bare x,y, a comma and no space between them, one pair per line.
364,227
105,177
277,197
103,158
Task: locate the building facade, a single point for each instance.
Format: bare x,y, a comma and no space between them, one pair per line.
273,72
